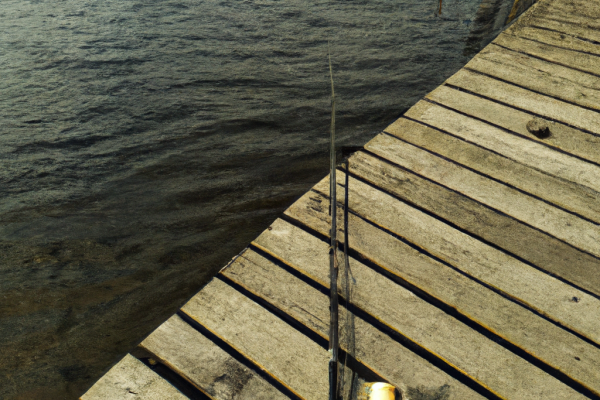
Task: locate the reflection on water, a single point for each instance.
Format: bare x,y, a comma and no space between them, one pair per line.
490,19
143,144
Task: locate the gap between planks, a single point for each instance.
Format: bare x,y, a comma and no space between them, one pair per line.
310,307
416,319
501,316
543,293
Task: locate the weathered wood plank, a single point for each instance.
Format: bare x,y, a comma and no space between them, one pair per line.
530,244
514,323
526,100
524,164
563,17
558,39
520,281
563,137
569,58
525,151
289,356
585,10
478,357
377,351
536,336
560,224
204,364
565,26
131,379
544,77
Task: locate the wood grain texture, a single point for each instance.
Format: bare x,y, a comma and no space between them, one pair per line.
524,99
579,18
522,150
517,280
286,354
505,318
377,351
582,11
547,218
578,14
204,364
564,25
563,137
576,7
521,163
544,77
553,38
447,338
530,244
570,58
130,379
512,322
575,20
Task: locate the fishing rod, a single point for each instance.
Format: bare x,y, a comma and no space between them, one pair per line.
333,267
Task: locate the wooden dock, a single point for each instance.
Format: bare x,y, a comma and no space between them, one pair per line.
474,246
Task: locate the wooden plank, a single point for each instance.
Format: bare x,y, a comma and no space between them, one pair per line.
558,223
561,19
567,27
131,379
532,287
524,164
205,365
579,16
470,352
544,251
544,77
286,354
585,10
563,137
524,99
553,38
569,58
522,150
377,351
512,322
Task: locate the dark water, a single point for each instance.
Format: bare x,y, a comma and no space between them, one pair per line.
144,144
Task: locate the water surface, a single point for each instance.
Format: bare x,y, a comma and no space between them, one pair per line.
144,144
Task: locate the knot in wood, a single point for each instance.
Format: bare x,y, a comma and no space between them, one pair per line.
539,128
